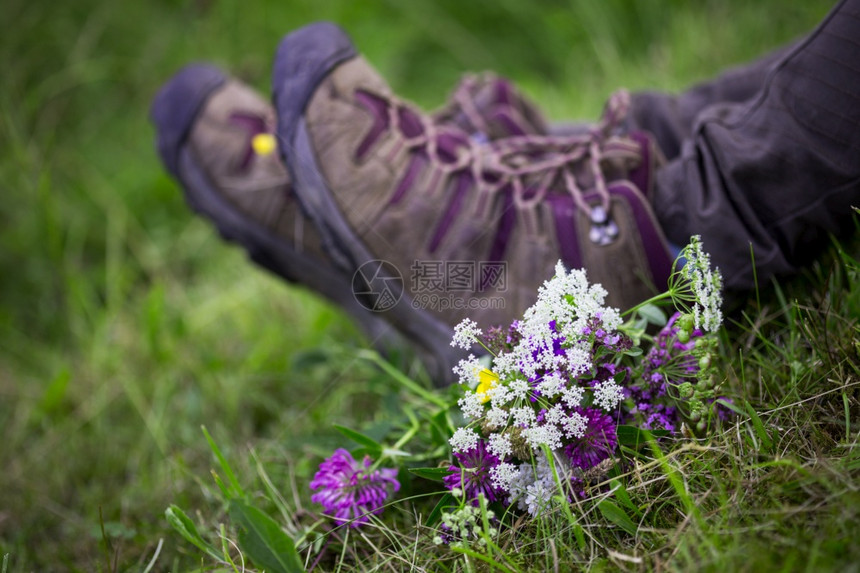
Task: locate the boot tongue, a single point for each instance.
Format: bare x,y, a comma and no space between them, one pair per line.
506,112
643,175
489,107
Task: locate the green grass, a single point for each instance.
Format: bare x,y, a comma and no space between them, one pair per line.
125,324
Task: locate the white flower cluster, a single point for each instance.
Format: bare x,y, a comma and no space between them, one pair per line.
500,446
533,486
471,406
464,439
535,393
564,306
503,475
608,394
706,283
557,425
467,371
568,303
496,418
466,334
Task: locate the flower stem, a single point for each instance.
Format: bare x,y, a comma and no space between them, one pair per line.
494,355
652,300
404,380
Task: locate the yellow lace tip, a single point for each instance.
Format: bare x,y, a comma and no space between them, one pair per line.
263,143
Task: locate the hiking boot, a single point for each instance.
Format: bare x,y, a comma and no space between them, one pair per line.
395,191
215,137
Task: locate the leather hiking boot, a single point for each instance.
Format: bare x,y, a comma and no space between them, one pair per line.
215,137
439,225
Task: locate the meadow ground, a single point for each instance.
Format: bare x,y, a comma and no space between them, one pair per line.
126,324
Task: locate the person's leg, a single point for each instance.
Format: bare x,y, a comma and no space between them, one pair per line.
779,172
670,117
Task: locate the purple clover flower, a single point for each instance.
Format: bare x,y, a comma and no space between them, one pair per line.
597,444
349,491
473,473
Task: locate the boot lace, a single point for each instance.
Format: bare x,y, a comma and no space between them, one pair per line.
532,166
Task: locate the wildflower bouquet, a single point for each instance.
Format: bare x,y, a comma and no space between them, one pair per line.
546,410
543,417
555,394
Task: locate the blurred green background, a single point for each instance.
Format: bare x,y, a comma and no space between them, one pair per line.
125,323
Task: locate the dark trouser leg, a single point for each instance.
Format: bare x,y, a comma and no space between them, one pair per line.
780,171
670,117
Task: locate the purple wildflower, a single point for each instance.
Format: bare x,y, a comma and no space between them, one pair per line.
597,444
473,473
500,340
661,418
612,341
577,489
349,491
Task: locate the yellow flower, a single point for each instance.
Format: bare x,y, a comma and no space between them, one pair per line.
486,380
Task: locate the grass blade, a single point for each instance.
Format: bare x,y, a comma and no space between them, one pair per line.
634,437
187,529
759,428
446,501
481,557
373,447
402,379
617,516
433,474
621,495
234,489
263,541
